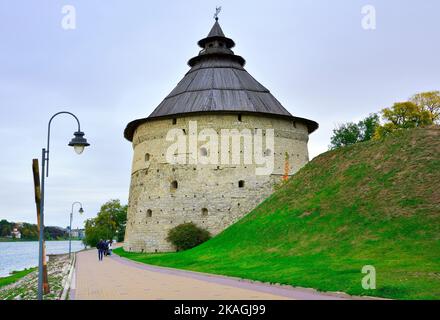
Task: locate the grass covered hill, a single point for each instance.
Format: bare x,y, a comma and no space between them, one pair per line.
374,203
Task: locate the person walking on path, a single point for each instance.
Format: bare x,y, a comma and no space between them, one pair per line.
110,247
105,248
101,249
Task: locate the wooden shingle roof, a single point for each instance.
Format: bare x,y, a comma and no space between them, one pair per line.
217,82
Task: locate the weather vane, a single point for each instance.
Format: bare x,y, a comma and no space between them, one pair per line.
217,11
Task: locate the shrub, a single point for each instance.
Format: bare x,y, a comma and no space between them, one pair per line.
186,236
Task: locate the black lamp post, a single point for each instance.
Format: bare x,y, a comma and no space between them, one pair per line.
81,211
78,143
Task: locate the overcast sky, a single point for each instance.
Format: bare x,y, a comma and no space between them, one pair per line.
124,57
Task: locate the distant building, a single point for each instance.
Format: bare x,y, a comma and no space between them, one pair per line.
78,233
15,233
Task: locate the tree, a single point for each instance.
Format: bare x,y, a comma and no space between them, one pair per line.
406,115
95,232
29,231
403,115
345,135
109,223
368,127
55,233
5,228
351,133
429,101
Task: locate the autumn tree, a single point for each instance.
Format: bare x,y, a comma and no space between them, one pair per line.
403,115
429,101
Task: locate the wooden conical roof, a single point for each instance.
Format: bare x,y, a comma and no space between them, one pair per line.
217,82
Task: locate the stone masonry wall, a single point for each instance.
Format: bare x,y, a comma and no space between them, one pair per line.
208,195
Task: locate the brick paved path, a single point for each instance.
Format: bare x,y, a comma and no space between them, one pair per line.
116,278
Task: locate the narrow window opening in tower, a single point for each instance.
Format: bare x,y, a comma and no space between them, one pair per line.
241,184
294,124
149,213
147,157
239,118
204,212
267,152
203,152
174,185
184,131
174,121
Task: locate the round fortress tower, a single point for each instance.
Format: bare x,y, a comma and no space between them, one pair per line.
203,182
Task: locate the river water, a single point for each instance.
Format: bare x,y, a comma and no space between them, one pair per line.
22,254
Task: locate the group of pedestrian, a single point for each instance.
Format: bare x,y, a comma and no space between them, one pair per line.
105,248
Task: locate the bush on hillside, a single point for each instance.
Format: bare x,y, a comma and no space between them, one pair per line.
186,236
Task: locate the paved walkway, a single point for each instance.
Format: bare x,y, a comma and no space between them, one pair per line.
117,278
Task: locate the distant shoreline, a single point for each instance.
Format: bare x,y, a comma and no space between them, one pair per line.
23,240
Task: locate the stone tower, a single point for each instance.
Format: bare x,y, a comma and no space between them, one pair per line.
216,94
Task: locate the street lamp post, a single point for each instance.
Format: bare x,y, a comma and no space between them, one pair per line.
78,143
81,211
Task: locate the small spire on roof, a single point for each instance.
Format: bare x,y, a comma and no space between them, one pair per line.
216,30
217,12
216,34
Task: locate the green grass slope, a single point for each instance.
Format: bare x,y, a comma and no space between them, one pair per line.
15,276
374,203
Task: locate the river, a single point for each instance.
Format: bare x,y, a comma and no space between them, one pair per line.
23,254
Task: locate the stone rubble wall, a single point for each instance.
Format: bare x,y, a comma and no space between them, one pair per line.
26,288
